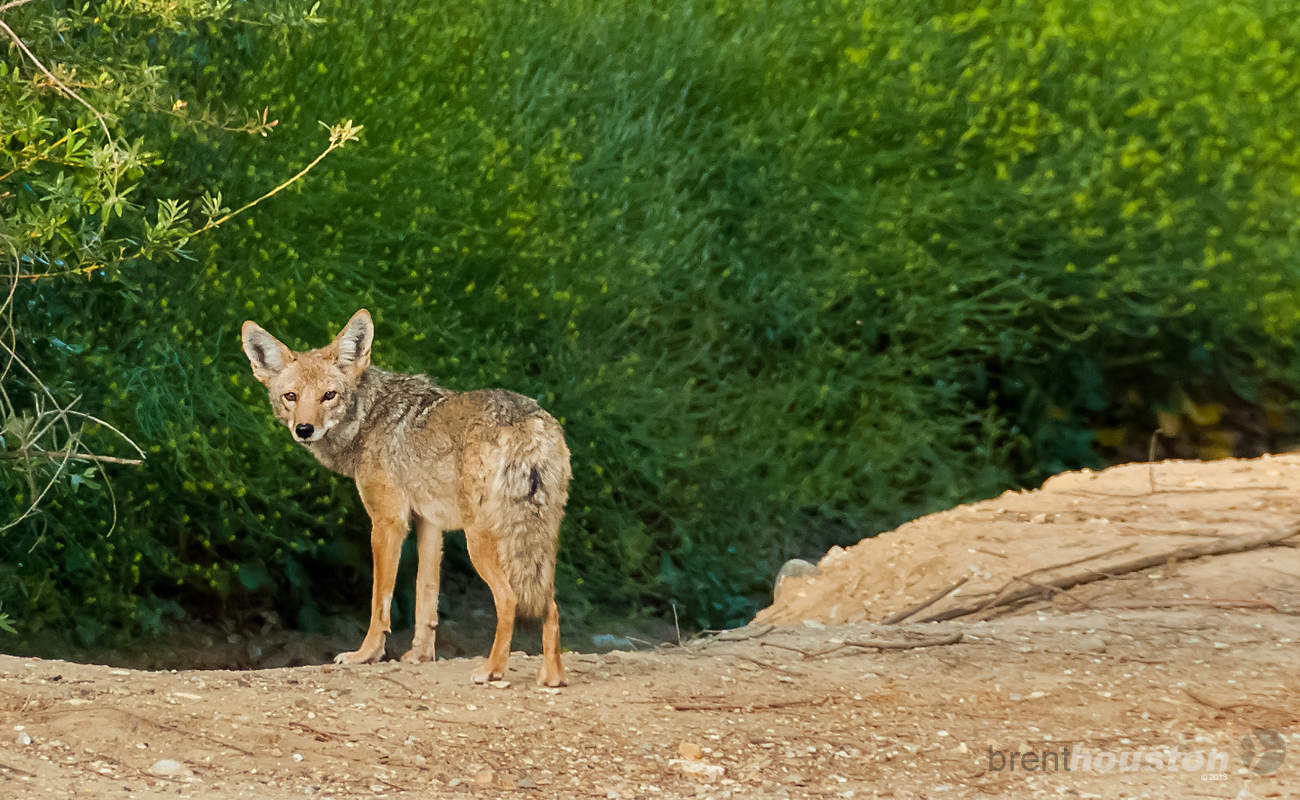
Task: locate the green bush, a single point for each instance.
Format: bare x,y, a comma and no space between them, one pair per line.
790,273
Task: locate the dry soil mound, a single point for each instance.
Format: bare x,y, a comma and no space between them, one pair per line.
1087,526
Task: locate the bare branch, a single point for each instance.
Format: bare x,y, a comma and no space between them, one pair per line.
55,455
14,4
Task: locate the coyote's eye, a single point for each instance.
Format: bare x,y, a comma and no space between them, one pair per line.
330,395
291,397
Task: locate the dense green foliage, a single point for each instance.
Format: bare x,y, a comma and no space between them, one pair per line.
790,273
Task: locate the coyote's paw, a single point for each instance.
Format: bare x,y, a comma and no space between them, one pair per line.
551,678
485,673
422,647
414,656
362,655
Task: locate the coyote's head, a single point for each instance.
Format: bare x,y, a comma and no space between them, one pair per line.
311,392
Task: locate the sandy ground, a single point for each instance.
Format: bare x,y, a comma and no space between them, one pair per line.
1164,667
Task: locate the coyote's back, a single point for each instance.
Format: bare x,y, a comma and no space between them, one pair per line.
490,462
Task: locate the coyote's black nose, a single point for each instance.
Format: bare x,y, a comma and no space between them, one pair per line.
304,431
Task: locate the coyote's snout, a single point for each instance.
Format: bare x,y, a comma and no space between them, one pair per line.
489,462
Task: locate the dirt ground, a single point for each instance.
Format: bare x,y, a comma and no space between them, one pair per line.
1184,662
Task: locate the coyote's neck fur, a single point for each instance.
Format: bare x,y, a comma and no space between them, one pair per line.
381,400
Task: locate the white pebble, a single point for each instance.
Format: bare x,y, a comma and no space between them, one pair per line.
168,767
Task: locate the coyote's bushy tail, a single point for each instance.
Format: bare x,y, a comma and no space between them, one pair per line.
534,486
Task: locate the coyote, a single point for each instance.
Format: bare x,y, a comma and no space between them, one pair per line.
490,462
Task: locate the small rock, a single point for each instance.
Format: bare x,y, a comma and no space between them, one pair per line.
168,767
499,684
691,750
526,783
277,752
794,568
22,738
297,756
699,769
1090,644
485,776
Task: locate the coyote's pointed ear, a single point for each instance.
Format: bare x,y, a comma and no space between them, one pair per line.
265,352
352,346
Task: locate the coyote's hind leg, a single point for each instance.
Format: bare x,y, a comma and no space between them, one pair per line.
552,670
485,554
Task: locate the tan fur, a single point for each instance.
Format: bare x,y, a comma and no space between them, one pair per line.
490,462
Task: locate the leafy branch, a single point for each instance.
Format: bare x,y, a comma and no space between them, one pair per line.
66,208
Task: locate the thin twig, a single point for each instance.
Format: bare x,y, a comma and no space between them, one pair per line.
8,766
339,136
747,708
1205,701
1001,593
391,679
321,736
1049,587
55,455
1191,601
803,653
768,665
14,4
906,644
762,631
894,619
1238,544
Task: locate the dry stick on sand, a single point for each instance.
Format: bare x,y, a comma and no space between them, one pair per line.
1000,593
17,770
886,644
905,644
748,707
803,653
320,736
761,632
1217,706
766,665
894,619
1262,605
1236,544
393,680
1060,592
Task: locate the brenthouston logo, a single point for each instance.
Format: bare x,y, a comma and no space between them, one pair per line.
1080,759
1263,751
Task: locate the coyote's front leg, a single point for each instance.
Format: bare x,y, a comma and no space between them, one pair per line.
388,530
426,592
